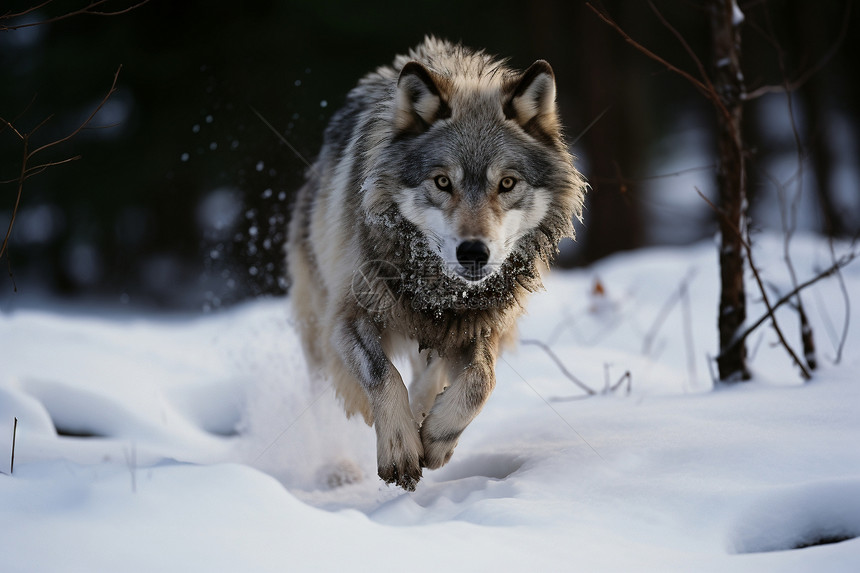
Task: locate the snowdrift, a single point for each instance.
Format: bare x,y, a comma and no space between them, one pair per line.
201,444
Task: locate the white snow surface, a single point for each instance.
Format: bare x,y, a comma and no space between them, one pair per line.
202,444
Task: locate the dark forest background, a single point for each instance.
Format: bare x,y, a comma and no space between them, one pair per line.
182,204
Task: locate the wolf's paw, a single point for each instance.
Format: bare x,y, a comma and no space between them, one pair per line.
399,459
438,448
405,475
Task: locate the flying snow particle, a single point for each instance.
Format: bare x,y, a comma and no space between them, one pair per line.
219,210
737,15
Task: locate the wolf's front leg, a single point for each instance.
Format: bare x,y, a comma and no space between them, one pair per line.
399,452
474,378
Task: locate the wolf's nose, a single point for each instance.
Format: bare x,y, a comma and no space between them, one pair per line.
473,254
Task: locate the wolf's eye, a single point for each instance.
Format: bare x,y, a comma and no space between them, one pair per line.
506,184
443,183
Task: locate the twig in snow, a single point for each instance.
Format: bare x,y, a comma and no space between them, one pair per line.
14,439
847,300
560,365
673,298
687,317
789,212
626,376
680,294
843,261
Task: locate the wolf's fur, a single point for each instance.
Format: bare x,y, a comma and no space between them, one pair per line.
406,236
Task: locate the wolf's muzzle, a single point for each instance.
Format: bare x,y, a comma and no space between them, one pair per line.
473,256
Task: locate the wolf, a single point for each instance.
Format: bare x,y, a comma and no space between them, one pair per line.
440,193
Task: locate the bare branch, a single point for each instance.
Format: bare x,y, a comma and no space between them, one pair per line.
626,376
797,83
629,180
771,308
707,89
696,60
10,125
20,192
673,298
89,9
27,171
10,16
36,169
834,269
117,12
788,209
847,322
40,125
687,316
560,364
86,121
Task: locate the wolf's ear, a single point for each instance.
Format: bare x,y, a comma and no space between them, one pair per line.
532,100
420,99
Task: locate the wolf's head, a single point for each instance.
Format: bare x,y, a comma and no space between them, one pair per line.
475,159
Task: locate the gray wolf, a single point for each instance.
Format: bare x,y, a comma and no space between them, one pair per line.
439,195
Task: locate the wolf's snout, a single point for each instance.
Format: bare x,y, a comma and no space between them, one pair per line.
473,254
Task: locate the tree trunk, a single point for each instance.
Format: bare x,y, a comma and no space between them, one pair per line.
731,183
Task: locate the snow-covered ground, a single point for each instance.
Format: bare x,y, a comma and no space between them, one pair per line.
200,445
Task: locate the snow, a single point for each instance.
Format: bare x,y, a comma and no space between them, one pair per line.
199,444
737,14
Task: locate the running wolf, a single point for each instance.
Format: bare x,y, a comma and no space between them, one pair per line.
441,191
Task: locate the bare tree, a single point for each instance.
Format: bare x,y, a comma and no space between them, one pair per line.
9,22
725,20
725,91
724,88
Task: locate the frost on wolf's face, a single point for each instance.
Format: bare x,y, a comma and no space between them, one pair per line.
473,172
473,212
